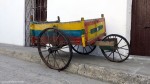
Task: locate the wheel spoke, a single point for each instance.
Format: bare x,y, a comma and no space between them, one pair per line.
60,42
119,54
78,48
54,40
57,37
61,58
66,54
123,48
56,60
42,42
47,57
85,49
107,37
48,61
90,47
53,60
113,56
119,41
109,54
74,46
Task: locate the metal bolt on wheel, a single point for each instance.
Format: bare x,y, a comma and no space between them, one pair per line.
54,48
119,52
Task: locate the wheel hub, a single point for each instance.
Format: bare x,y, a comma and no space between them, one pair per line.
52,49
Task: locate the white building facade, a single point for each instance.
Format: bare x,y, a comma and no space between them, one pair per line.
117,14
12,22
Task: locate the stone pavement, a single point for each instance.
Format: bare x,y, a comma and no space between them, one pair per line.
16,71
133,71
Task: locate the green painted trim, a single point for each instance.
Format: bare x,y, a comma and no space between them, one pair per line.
94,30
83,31
110,48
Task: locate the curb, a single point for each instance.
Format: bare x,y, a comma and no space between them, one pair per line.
21,55
87,70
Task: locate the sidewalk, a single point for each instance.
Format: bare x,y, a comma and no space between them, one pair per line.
132,71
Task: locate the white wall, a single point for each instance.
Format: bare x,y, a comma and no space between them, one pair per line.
115,11
117,14
129,13
12,22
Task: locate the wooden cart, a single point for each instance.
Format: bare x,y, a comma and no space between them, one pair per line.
56,41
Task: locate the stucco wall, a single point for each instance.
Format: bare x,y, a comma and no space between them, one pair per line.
114,10
128,21
117,13
12,22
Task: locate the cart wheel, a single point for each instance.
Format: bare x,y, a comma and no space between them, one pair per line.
119,52
83,50
54,48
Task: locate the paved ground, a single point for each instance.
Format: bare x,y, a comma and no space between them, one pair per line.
133,71
16,71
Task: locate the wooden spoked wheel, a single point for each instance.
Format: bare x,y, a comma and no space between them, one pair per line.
119,52
54,48
83,50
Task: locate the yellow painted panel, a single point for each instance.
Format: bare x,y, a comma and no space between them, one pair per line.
71,26
91,36
102,30
42,26
96,34
63,26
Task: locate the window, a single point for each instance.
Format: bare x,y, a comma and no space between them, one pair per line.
41,10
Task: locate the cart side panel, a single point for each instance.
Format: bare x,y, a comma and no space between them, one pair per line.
73,30
95,29
36,29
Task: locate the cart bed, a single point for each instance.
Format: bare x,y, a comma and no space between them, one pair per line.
89,30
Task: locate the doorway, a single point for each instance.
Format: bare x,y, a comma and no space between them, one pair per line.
140,28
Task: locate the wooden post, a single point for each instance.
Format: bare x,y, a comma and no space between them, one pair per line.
58,18
82,19
83,35
102,15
